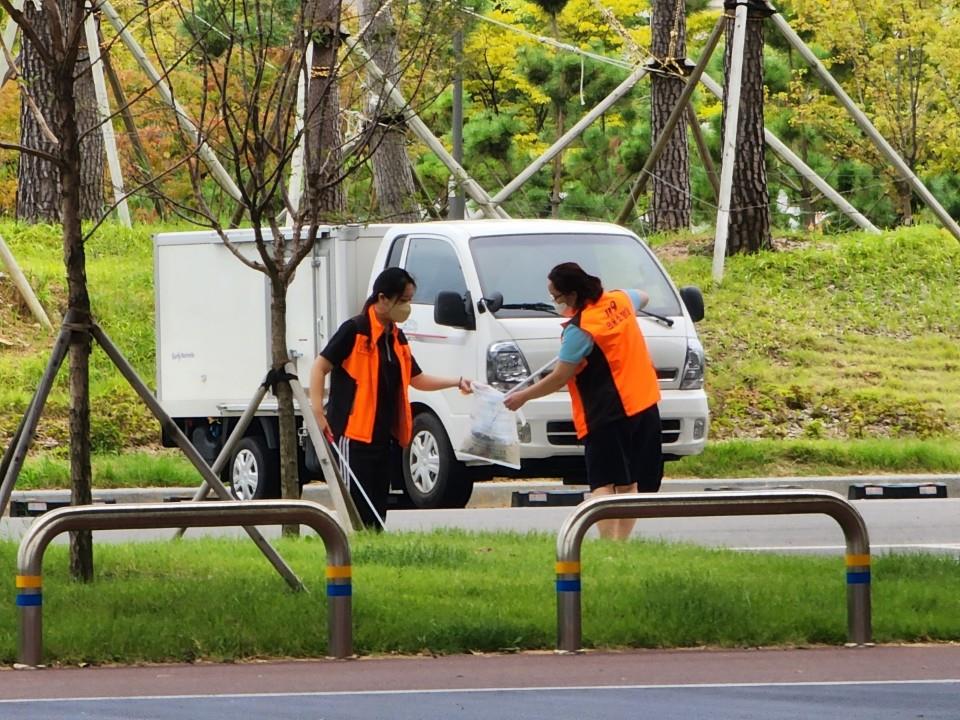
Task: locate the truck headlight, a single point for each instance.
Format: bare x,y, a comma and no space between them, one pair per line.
693,366
506,365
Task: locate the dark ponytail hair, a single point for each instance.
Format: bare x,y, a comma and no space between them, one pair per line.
569,278
391,283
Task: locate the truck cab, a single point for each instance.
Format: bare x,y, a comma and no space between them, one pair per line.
482,310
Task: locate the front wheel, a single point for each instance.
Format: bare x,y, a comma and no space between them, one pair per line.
432,476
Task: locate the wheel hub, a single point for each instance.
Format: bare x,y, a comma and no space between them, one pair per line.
424,462
245,476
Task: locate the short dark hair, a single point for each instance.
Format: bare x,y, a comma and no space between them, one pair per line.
569,277
391,283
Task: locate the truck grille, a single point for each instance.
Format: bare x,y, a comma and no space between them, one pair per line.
562,432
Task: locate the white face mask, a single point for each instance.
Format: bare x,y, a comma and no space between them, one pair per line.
563,309
400,311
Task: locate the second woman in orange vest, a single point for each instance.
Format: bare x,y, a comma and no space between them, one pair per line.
613,385
371,369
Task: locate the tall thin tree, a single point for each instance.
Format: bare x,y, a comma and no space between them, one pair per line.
248,108
749,229
671,203
38,186
53,33
325,197
392,172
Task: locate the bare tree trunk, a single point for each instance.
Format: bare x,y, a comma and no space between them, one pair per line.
81,476
38,196
904,201
808,215
750,201
325,197
289,476
392,172
81,543
671,204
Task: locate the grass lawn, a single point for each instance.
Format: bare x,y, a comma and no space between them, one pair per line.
722,459
455,592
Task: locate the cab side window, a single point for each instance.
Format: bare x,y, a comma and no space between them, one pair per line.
435,267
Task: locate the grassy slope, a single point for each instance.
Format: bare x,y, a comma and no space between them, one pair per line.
120,276
828,341
849,346
855,336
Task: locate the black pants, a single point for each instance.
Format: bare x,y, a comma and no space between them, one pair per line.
375,467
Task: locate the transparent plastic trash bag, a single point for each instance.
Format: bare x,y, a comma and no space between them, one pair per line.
493,429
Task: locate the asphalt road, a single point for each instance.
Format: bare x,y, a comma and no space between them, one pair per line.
881,683
894,525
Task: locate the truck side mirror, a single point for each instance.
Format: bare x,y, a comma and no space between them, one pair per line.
693,299
454,309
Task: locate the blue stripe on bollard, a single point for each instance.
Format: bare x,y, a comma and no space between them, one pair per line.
858,578
568,586
339,590
29,600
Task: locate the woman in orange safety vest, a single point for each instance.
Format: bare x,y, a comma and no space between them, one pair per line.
605,363
368,413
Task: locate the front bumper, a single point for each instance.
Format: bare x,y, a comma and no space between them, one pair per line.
548,431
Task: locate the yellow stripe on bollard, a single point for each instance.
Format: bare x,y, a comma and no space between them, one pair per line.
338,571
571,567
29,581
857,560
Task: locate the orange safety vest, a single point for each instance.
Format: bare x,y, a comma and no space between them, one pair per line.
617,379
363,366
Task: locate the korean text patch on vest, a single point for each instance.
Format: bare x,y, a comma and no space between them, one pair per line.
618,378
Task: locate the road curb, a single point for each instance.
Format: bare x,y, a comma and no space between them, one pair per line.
500,493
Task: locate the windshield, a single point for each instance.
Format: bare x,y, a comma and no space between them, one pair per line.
517,267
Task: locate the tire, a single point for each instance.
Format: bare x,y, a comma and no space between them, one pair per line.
254,470
432,476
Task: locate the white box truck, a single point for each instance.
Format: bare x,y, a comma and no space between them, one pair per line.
481,310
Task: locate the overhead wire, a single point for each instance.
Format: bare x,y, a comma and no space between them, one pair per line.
626,65
663,66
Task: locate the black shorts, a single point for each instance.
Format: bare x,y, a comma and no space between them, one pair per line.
626,451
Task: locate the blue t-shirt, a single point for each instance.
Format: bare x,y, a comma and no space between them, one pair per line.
575,344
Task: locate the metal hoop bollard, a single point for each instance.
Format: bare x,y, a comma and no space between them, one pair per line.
772,502
199,514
